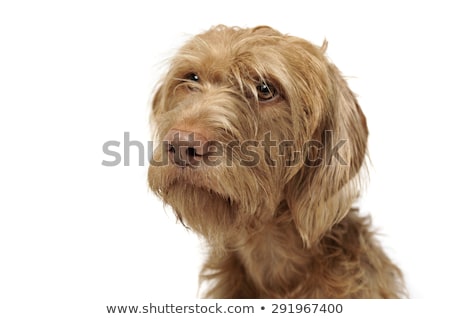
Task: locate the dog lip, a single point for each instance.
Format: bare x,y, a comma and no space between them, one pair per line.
196,177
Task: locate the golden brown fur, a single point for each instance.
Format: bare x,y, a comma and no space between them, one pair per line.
278,220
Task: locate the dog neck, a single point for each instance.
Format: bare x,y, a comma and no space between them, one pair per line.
266,258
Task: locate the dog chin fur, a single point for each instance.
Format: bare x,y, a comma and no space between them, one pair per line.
278,225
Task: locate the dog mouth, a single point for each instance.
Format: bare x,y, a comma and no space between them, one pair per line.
203,181
190,175
236,187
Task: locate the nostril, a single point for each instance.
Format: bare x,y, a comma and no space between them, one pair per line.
191,152
185,148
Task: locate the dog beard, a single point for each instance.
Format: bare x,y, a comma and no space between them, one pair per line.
211,200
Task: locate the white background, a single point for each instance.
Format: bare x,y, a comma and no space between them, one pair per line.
76,236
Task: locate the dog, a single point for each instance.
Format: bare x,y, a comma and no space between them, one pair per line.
262,151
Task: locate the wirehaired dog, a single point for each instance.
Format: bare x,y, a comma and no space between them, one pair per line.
262,144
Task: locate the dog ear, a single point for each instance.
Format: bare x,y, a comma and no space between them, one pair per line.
324,189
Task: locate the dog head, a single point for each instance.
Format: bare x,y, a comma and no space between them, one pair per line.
252,123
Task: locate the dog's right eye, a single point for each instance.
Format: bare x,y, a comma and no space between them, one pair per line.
193,77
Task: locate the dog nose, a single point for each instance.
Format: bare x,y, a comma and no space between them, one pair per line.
186,148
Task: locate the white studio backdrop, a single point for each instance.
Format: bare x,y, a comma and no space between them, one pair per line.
76,74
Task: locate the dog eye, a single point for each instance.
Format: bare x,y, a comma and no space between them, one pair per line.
266,92
193,77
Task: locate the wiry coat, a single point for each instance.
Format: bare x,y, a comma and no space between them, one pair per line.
272,180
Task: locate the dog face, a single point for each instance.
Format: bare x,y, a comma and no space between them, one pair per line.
252,122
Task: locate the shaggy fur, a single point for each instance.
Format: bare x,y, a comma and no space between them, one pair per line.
263,147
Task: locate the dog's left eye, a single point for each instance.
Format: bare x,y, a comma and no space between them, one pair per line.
266,92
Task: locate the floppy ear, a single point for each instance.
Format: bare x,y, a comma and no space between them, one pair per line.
323,190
